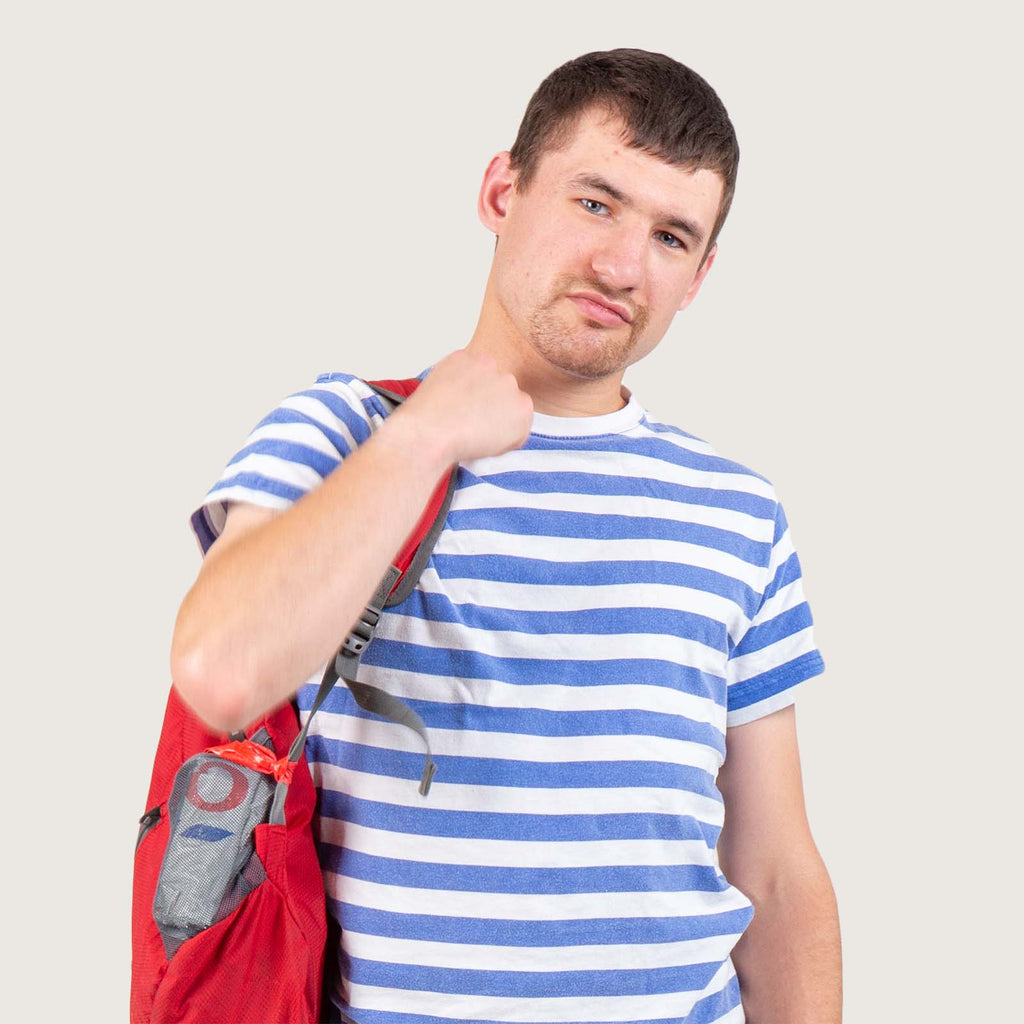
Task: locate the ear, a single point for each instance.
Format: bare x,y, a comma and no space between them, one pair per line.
691,292
496,193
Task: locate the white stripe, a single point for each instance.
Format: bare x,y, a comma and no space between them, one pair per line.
321,413
553,647
597,549
515,853
776,702
789,596
457,955
544,696
550,1009
780,552
514,800
561,597
522,747
501,906
620,464
295,433
734,1016
684,443
273,467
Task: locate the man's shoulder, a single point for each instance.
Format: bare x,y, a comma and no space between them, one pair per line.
683,448
356,392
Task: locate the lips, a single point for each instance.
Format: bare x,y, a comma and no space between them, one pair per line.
597,304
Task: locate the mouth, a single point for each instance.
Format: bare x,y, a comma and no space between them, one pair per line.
596,308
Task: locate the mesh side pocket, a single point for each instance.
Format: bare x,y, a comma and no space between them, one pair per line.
210,864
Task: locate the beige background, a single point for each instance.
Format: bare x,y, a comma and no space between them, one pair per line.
204,205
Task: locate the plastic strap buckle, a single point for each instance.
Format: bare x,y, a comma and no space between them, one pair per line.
362,632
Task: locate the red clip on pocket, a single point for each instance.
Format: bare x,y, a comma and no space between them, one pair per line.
259,758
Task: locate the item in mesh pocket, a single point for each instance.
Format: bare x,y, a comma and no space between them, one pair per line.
210,864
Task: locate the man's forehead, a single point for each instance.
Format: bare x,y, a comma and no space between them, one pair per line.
600,140
595,128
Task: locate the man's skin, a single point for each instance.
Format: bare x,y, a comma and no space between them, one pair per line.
264,613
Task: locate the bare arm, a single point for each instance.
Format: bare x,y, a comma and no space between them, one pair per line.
789,960
278,591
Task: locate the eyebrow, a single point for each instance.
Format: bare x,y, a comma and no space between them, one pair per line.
595,181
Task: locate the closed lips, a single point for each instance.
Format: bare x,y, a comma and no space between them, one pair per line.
591,297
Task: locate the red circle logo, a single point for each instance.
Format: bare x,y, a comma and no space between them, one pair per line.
237,793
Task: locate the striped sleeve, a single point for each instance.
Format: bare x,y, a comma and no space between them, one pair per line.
291,450
777,650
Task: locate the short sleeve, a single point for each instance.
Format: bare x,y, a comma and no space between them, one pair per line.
292,450
777,649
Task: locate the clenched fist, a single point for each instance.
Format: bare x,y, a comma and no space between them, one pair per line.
469,406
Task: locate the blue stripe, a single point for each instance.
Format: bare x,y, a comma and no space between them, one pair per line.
786,573
513,569
536,881
536,721
536,522
667,428
601,931
784,624
337,439
518,774
775,680
715,1006
530,984
257,482
703,1013
781,524
357,422
290,451
371,403
443,661
423,819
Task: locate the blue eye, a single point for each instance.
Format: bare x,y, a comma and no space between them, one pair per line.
673,243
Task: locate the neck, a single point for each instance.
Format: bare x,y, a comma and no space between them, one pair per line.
554,390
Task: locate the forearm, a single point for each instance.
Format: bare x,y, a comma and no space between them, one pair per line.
789,960
267,610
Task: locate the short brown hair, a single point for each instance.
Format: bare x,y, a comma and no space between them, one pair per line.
669,112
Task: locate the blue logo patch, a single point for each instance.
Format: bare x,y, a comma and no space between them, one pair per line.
207,833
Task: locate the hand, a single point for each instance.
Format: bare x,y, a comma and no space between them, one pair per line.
470,407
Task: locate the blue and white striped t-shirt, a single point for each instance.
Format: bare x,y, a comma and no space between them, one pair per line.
601,604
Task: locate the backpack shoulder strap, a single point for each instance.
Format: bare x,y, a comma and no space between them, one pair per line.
415,552
396,584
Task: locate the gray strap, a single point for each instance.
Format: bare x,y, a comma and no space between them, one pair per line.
344,666
426,548
379,702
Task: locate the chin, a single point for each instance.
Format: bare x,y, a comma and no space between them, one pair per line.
587,369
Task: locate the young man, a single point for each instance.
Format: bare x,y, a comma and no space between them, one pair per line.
610,609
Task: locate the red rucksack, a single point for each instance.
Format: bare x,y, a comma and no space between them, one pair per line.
228,904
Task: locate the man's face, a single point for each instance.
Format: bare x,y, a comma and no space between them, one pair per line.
601,218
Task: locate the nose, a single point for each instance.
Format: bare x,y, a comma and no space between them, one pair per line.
619,262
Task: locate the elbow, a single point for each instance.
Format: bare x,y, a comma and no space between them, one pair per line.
212,693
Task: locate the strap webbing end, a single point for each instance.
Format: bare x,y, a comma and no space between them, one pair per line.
428,776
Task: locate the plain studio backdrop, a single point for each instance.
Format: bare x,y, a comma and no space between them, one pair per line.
206,205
